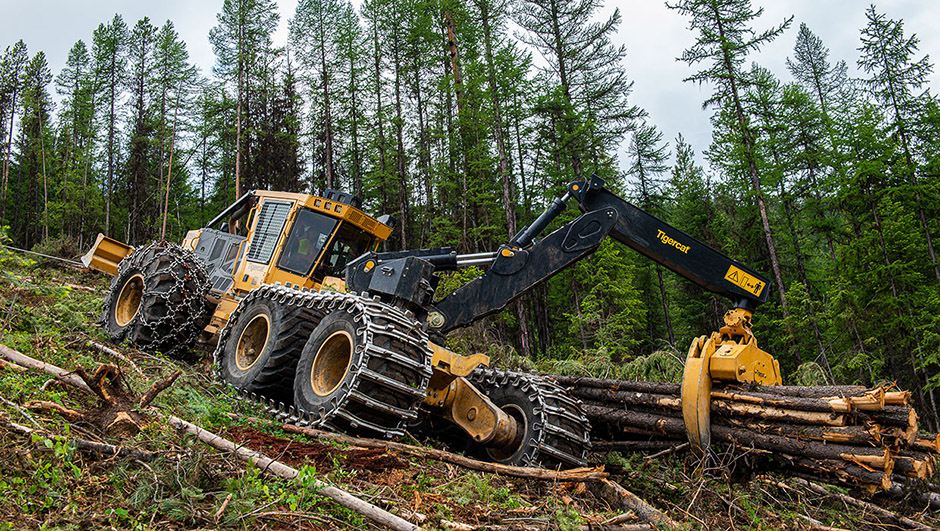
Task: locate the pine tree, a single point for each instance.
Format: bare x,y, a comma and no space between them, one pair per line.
648,157
587,77
32,206
723,42
887,55
109,55
241,37
76,137
12,65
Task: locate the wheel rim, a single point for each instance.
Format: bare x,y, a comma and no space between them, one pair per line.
252,341
516,412
331,363
128,301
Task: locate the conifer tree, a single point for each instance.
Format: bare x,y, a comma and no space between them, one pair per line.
887,55
724,39
12,65
109,55
242,36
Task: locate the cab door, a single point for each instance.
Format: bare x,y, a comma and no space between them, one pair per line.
311,232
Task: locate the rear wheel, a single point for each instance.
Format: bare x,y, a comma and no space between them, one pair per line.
157,301
553,429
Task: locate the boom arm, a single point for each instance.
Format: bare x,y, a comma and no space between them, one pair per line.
522,264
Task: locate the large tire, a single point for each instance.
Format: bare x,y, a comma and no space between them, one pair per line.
555,431
259,348
157,301
365,368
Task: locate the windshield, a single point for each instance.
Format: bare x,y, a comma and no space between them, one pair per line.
350,242
308,236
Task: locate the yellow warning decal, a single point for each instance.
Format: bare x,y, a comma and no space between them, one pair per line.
745,281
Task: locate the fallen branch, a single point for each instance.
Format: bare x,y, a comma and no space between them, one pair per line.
111,352
576,475
621,498
102,449
281,470
884,513
265,463
158,388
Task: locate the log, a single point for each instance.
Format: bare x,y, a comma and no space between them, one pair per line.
732,409
929,442
873,400
900,416
62,375
617,385
872,457
265,463
576,475
801,391
621,498
904,488
917,465
843,472
114,353
851,435
897,398
884,513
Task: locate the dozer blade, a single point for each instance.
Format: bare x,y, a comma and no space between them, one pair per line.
106,254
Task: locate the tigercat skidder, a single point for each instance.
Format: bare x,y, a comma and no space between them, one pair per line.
310,318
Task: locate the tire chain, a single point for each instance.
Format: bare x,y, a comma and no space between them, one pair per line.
378,319
563,432
185,319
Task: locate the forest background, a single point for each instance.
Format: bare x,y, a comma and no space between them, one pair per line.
464,119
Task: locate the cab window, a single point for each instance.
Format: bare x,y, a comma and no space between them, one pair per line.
350,242
308,236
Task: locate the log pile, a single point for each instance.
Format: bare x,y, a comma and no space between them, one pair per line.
849,434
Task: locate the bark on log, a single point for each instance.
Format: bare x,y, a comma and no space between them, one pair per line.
801,391
577,475
44,406
851,435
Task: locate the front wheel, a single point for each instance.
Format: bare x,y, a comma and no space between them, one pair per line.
157,301
554,430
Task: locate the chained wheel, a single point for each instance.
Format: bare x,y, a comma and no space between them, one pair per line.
157,301
554,430
258,352
365,368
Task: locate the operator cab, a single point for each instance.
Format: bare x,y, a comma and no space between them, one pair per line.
267,237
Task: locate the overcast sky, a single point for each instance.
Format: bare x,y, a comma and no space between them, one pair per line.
654,35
